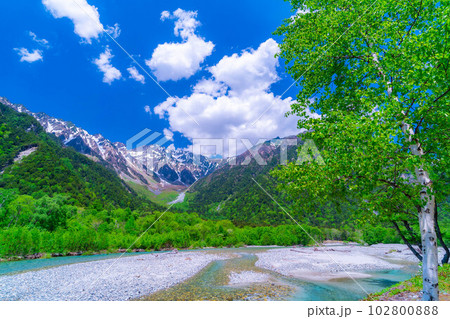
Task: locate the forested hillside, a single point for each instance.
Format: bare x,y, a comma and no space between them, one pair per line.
53,169
231,193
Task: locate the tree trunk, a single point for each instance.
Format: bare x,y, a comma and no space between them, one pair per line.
426,222
406,241
426,213
429,246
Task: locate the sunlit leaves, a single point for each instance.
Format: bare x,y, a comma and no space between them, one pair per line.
368,71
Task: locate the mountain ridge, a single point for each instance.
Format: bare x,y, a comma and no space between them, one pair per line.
35,163
170,169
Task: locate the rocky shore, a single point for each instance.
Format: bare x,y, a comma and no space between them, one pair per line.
335,262
68,254
113,279
248,277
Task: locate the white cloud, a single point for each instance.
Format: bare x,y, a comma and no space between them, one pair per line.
168,134
210,87
185,23
175,61
300,11
135,75
85,17
148,109
42,42
303,10
103,63
230,104
165,15
230,117
114,31
35,55
251,70
27,56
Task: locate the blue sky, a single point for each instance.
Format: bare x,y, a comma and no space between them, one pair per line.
215,59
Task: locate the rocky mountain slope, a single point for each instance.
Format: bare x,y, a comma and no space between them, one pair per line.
34,163
152,165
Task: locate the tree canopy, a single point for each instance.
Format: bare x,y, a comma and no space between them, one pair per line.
377,74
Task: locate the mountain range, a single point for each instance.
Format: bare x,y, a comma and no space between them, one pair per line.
221,189
169,169
237,190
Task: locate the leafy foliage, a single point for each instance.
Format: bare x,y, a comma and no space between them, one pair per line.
378,68
51,224
377,72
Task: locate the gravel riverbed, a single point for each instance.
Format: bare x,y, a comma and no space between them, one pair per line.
335,262
113,279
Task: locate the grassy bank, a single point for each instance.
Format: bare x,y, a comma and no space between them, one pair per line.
410,290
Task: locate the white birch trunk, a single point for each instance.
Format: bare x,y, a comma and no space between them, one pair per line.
429,240
427,228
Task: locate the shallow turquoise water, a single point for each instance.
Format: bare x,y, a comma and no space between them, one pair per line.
11,267
347,289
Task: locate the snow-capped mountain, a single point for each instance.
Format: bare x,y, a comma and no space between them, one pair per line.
173,165
153,165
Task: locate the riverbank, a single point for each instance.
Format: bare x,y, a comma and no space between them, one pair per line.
335,262
68,254
244,278
114,279
411,290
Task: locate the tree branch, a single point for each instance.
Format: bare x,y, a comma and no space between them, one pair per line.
406,241
417,240
442,95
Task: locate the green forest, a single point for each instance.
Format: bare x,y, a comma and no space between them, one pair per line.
51,224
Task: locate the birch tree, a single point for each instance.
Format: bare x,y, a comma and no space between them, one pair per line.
377,73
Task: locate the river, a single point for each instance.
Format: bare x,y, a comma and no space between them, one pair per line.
212,282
